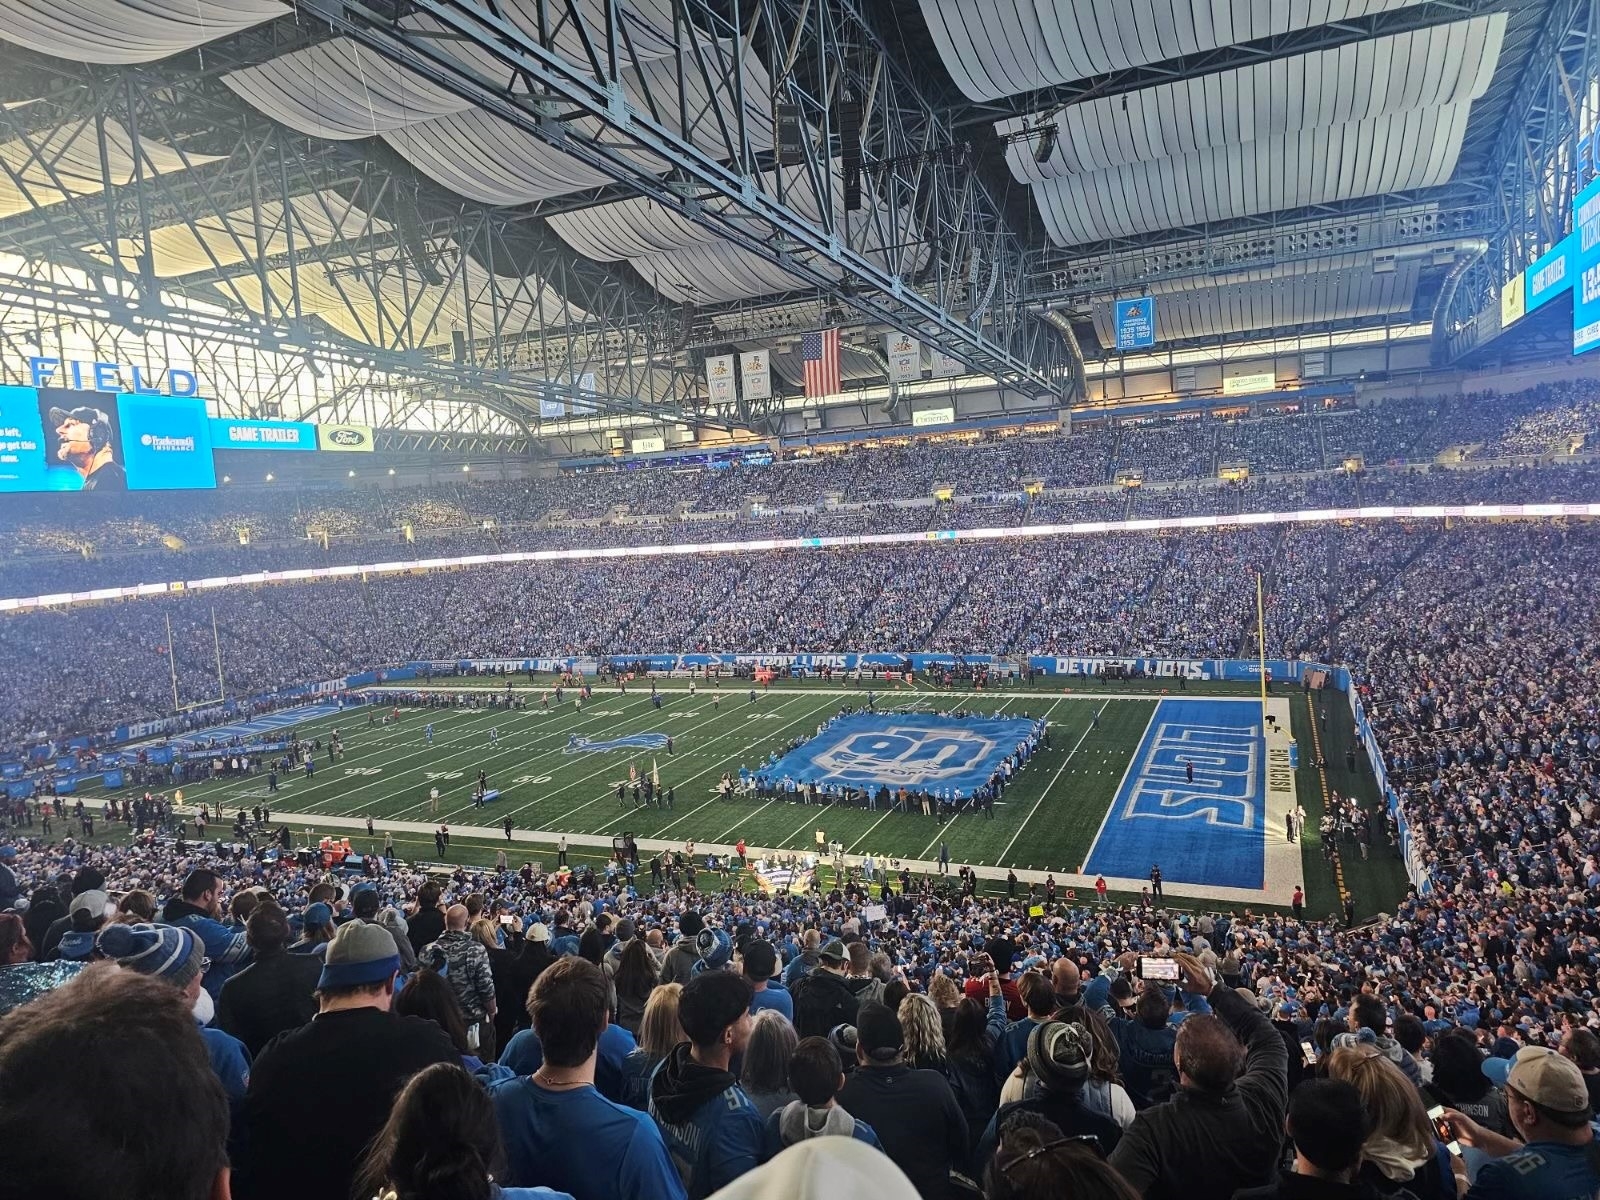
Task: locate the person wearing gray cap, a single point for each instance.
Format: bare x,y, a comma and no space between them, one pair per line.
83,442
355,1044
822,999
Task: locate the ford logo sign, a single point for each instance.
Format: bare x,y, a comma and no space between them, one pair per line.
347,437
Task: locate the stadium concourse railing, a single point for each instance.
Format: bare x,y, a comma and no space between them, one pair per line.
1418,512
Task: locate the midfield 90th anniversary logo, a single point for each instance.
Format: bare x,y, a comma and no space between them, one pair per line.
901,755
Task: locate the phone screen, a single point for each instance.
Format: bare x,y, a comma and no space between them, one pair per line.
1442,1128
1309,1049
1161,970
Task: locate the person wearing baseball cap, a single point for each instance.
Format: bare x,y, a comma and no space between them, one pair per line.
822,999
355,1043
1548,1102
760,965
913,1112
83,441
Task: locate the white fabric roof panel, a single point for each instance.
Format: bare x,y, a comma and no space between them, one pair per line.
1440,65
340,90
127,31
482,157
634,228
371,306
718,272
641,226
66,160
691,264
1415,148
343,90
224,241
1297,297
995,48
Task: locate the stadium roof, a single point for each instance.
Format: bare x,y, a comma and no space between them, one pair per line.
419,177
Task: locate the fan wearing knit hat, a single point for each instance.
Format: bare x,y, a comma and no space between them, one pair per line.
355,1044
176,955
1058,1069
823,1169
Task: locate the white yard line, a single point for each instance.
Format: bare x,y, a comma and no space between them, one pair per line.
1121,783
610,792
1006,853
805,716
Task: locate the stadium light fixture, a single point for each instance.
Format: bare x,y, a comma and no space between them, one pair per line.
391,470
269,476
352,474
227,479
466,466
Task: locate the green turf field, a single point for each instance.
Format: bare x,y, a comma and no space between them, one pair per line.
1048,820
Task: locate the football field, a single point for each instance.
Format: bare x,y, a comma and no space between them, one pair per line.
1133,775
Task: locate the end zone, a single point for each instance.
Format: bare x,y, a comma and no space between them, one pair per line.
1205,796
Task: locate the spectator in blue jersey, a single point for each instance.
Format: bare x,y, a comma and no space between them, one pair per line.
815,1076
1559,1158
760,965
198,908
559,1131
441,1140
1147,1046
175,955
714,1132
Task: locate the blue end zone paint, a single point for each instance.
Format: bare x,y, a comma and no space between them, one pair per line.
914,750
1210,832
266,723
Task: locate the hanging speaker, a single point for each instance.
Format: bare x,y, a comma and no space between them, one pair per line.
458,342
791,135
850,153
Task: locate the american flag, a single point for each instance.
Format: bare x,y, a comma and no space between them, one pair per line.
821,354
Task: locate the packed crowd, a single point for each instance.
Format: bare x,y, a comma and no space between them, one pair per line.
500,1031
126,540
1187,595
177,1025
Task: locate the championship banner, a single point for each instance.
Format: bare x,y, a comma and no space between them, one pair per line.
905,357
719,378
1136,323
946,366
755,375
